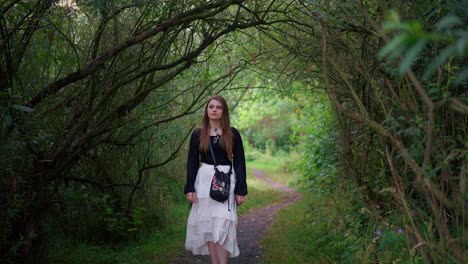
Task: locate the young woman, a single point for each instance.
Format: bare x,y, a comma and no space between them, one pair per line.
211,226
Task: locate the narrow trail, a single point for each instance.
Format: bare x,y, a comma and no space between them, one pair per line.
251,228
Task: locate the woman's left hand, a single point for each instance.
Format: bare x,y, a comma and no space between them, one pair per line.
240,199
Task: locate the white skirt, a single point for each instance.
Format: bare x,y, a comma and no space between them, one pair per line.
210,220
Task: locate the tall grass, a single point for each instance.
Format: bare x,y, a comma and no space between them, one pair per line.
335,229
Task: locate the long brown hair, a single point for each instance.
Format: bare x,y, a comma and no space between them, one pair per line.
225,125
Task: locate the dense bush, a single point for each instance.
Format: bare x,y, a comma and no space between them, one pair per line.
316,137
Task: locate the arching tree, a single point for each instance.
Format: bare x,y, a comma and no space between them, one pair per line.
90,89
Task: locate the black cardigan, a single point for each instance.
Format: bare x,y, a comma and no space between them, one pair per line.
195,157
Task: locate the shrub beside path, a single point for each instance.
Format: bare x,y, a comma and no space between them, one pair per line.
251,228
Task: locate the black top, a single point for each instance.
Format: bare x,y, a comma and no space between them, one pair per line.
195,157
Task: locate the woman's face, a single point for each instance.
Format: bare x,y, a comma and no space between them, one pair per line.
215,110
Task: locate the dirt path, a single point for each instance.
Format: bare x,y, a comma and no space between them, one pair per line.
251,227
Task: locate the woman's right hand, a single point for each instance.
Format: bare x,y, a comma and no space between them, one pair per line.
192,197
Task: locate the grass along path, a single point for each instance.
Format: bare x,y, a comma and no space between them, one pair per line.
157,246
333,229
253,226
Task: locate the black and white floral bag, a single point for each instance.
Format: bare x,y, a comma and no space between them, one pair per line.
221,182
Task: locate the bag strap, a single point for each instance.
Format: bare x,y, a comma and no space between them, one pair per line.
214,159
212,152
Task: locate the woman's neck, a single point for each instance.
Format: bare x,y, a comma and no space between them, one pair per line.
215,124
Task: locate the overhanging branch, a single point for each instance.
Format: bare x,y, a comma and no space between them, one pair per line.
94,65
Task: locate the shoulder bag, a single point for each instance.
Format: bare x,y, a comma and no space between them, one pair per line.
221,182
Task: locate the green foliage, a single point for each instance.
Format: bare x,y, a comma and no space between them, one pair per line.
266,120
156,246
98,95
316,136
115,220
449,34
89,134
428,134
399,123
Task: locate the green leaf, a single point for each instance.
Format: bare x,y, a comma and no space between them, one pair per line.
393,16
462,76
391,46
411,56
8,120
442,58
138,3
460,34
392,25
461,46
23,108
34,146
447,22
415,26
